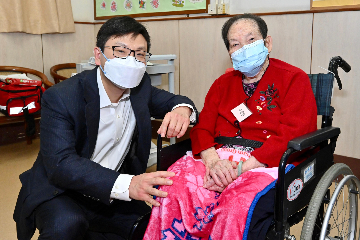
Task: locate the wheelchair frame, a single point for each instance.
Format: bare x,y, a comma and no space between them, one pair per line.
316,174
290,212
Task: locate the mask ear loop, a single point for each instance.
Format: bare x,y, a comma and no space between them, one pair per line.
108,60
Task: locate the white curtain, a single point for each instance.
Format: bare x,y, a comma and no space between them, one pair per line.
36,16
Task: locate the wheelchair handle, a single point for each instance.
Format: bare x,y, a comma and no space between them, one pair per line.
334,64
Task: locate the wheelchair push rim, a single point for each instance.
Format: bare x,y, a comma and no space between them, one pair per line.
320,201
342,212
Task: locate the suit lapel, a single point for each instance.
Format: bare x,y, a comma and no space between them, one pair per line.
139,103
136,106
140,109
92,109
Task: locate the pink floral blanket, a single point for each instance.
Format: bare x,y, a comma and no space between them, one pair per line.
193,212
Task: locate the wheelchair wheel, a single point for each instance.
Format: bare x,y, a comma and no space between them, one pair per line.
320,199
341,215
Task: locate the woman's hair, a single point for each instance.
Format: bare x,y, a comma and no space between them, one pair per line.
118,27
259,21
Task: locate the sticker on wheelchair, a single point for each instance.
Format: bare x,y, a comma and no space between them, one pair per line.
308,172
294,189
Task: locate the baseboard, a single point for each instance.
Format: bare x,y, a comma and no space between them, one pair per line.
353,163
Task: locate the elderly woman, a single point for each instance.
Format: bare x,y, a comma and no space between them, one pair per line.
248,118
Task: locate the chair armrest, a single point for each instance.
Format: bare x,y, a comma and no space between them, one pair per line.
169,155
313,138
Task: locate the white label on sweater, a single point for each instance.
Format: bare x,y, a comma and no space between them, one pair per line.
241,112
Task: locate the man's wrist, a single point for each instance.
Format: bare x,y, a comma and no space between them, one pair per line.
192,114
121,186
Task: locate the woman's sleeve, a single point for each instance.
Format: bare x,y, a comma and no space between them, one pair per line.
298,117
202,134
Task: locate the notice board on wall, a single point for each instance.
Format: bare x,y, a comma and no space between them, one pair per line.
105,9
267,6
334,4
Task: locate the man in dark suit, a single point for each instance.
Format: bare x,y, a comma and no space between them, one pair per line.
95,140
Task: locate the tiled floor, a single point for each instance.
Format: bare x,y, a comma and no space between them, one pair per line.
14,159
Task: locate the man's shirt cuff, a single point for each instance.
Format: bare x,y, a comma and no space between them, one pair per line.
193,113
120,189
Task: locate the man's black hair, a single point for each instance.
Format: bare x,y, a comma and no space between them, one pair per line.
259,21
118,27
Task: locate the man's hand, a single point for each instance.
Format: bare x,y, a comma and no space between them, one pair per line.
175,123
142,186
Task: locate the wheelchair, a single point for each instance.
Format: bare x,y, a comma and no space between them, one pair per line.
331,211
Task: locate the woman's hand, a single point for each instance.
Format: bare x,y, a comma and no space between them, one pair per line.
220,171
251,163
212,186
223,173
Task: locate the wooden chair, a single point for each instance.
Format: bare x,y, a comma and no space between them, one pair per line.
9,126
62,71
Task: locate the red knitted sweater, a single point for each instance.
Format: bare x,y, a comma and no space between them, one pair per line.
283,107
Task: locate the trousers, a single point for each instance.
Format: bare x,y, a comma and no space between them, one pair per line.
73,216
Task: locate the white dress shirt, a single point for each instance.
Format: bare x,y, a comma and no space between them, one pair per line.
116,127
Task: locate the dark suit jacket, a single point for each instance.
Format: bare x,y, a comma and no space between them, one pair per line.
69,127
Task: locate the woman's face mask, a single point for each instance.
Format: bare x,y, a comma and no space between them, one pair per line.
250,58
124,72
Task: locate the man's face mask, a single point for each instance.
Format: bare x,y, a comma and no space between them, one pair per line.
124,72
250,58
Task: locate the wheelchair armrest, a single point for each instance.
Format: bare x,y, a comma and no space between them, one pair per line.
169,155
313,138
297,144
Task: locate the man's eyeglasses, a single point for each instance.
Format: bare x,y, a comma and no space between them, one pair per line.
124,52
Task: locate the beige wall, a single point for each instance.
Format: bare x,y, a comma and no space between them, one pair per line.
41,52
338,35
165,40
202,56
21,49
69,47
